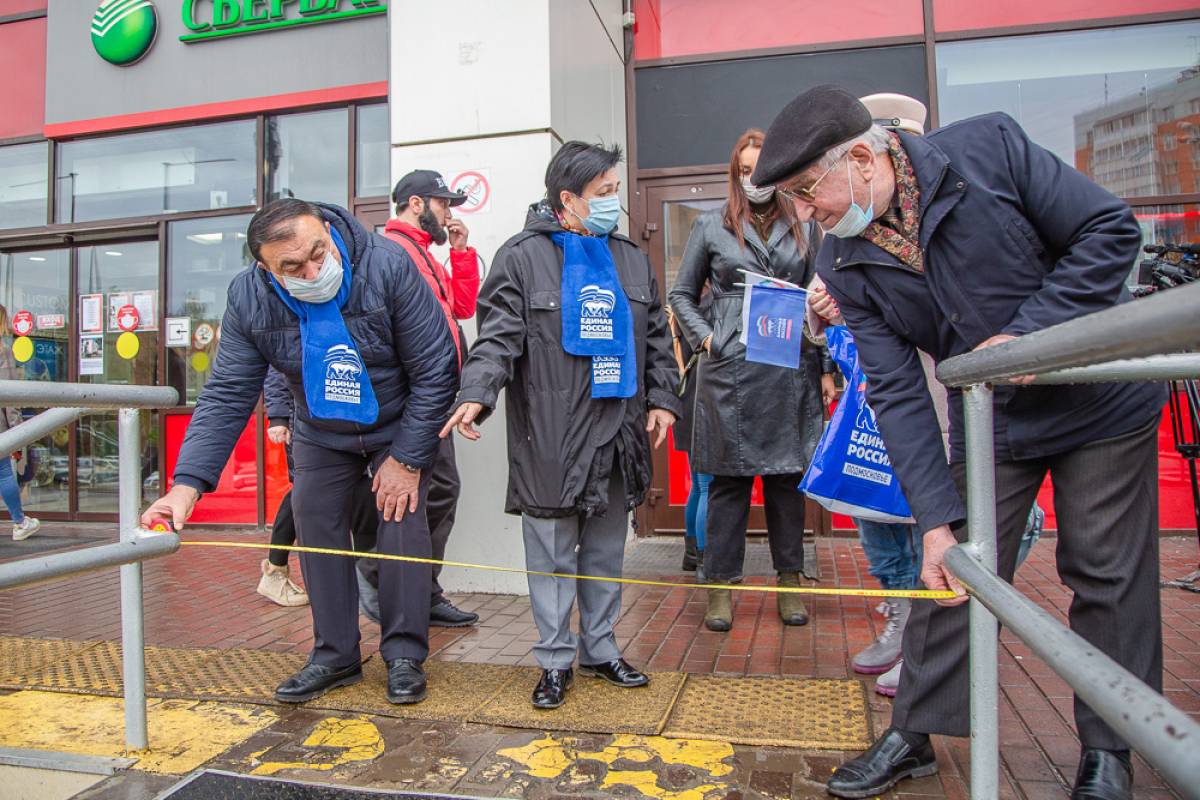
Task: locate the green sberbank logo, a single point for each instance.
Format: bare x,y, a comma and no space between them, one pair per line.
123,30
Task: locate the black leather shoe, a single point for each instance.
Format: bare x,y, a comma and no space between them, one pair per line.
315,680
1103,775
616,672
406,681
890,760
445,615
551,690
689,554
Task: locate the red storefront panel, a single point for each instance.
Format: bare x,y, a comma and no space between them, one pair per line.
10,8
691,27
235,500
965,15
23,91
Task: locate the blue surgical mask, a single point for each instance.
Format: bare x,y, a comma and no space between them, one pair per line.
856,219
320,289
603,214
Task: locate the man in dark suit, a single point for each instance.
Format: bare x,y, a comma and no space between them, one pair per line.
969,237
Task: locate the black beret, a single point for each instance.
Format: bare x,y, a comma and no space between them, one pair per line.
807,128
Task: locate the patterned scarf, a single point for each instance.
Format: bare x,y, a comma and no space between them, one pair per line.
901,237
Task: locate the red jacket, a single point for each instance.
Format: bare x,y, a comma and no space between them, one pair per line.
456,294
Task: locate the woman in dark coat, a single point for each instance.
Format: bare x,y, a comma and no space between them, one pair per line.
751,418
571,324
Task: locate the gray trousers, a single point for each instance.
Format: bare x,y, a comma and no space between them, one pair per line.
321,497
1106,499
550,546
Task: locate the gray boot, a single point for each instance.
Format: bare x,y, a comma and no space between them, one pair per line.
884,652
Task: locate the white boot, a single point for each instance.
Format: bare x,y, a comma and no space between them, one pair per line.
277,586
28,527
886,683
884,652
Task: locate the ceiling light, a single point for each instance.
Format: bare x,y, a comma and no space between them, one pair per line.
37,258
113,253
206,238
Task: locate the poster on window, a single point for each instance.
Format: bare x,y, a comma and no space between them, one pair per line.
146,304
116,301
91,355
91,313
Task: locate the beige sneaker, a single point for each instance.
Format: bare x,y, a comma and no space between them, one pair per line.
28,527
277,586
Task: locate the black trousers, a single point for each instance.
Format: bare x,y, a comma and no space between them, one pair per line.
364,522
321,498
729,515
1106,500
440,509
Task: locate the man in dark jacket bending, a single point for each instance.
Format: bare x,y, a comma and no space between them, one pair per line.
968,238
371,364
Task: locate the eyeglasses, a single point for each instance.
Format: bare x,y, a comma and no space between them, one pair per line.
809,194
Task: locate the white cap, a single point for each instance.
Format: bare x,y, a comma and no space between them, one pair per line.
897,111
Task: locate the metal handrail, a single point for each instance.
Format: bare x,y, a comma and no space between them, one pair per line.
1165,322
65,402
1131,342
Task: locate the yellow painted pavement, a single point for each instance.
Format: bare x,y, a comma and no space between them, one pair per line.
335,741
183,733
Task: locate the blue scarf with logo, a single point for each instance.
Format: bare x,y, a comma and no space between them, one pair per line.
596,318
336,384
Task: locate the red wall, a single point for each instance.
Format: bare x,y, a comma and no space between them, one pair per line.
959,15
689,27
23,65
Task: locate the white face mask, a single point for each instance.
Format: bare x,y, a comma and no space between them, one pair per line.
856,219
757,194
320,289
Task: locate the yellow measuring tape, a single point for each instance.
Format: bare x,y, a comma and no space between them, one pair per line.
916,594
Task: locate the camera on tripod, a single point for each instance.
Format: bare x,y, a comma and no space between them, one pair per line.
1171,265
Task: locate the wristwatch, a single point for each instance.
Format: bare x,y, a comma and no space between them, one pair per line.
409,467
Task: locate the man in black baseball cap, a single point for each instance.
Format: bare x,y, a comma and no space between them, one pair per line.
969,237
423,218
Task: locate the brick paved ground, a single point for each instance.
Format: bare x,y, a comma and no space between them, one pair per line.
206,598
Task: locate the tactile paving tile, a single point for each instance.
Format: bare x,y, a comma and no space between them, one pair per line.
240,675
456,691
92,670
812,714
20,657
592,706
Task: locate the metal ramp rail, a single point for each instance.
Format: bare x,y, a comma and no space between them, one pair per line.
66,402
1140,341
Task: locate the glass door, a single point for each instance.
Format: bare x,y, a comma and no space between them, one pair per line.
118,307
35,288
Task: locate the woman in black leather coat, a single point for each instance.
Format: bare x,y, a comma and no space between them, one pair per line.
751,418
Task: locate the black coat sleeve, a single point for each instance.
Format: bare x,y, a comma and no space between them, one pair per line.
224,405
426,351
899,396
684,297
661,372
501,340
278,397
1094,232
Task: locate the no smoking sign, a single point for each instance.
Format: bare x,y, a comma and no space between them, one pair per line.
475,184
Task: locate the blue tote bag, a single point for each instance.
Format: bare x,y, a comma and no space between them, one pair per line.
850,472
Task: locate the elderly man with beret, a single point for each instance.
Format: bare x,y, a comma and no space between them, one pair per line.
969,237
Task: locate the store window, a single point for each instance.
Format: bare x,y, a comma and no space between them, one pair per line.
373,149
23,185
1108,102
203,255
39,282
307,156
1165,225
118,324
196,168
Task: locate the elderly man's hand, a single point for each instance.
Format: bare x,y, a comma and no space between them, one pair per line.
1001,338
279,434
396,489
933,568
464,418
829,391
175,506
824,306
659,420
